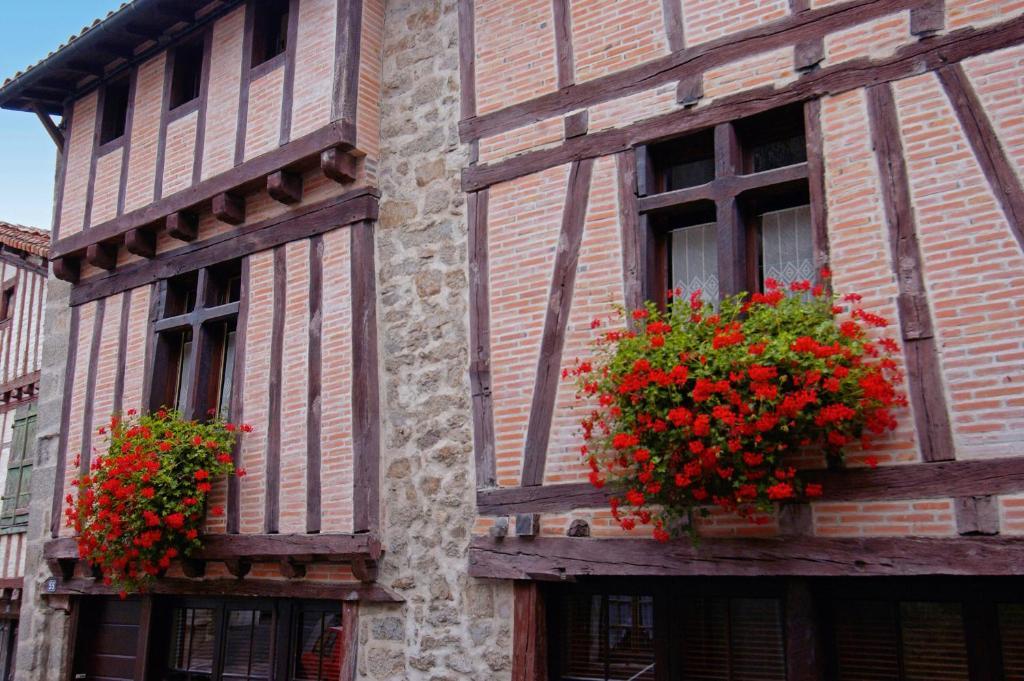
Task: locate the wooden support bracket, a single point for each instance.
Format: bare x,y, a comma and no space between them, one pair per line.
67,269
62,567
689,90
576,124
500,528
238,567
229,208
183,226
527,524
193,568
364,570
285,187
102,255
141,242
291,569
338,165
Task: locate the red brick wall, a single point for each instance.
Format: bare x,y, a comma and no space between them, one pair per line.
179,153
370,64
294,388
598,287
523,228
149,88
78,392
314,66
974,270
257,377
263,127
515,52
76,183
106,187
336,385
611,35
225,79
705,20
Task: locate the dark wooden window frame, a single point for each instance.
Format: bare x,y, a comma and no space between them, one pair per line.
732,200
173,318
286,637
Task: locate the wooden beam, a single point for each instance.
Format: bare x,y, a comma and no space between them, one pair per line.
553,337
562,25
299,223
70,365
804,660
102,255
939,480
631,234
272,464
365,387
984,140
229,208
285,187
529,642
66,269
290,569
816,181
467,59
193,568
182,226
349,641
480,340
51,128
563,557
122,351
288,78
672,16
238,567
303,152
314,371
924,372
689,90
781,33
347,51
234,500
909,60
346,592
141,242
928,18
90,386
339,165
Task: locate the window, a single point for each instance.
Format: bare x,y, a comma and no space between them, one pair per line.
14,507
675,629
115,111
249,640
187,73
193,369
730,207
8,647
270,30
7,303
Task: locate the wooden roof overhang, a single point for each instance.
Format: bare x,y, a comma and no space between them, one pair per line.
104,50
238,552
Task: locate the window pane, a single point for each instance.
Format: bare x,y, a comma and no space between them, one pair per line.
1011,635
778,153
319,655
247,644
866,641
227,373
184,373
583,657
755,629
192,642
934,647
631,638
787,252
695,261
705,639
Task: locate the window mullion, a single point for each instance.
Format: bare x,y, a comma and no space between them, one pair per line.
730,237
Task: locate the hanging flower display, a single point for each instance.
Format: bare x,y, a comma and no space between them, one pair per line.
702,406
143,503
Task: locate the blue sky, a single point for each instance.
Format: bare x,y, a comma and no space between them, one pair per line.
28,32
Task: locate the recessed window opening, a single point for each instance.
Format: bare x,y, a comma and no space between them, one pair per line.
270,30
187,73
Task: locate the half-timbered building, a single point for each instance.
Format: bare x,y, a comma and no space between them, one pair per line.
217,159
23,272
415,505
